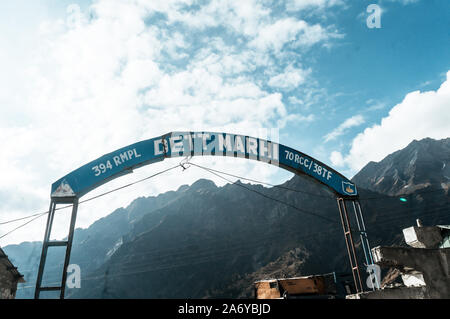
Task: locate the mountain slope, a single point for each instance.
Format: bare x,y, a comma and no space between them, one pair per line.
91,246
422,164
206,241
201,240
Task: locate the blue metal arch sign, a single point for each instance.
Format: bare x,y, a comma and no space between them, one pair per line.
180,144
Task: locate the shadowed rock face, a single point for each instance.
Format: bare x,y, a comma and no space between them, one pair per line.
199,244
422,164
204,241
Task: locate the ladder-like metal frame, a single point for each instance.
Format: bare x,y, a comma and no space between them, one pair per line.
351,250
47,243
364,240
350,245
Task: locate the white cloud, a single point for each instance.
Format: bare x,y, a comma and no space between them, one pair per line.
298,5
419,115
93,85
273,37
355,120
337,159
374,105
290,79
243,17
296,101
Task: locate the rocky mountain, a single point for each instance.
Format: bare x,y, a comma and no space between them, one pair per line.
194,246
91,246
422,164
204,241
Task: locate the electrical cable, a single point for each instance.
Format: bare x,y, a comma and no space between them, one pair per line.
83,201
22,218
381,197
260,182
268,197
18,227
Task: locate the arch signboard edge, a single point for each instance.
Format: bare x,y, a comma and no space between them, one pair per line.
179,144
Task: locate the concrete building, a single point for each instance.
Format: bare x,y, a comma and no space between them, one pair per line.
424,266
9,277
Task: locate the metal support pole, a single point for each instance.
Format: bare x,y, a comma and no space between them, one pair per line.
353,258
364,239
69,247
48,229
47,243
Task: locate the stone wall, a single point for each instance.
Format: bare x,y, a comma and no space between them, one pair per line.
8,283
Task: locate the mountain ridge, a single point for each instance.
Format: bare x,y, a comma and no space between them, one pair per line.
422,164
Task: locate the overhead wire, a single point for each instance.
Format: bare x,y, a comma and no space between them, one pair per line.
38,215
23,225
266,196
212,171
22,218
260,182
381,197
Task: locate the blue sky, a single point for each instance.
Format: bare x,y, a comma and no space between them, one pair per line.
83,78
378,67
